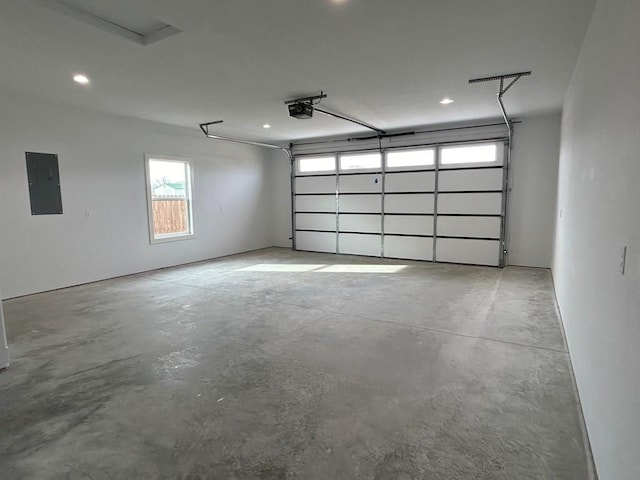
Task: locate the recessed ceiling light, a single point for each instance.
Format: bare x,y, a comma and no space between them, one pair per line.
446,101
81,79
266,125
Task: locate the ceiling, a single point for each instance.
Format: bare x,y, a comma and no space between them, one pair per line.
384,62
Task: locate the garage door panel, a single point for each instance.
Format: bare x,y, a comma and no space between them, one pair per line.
355,244
315,184
458,250
408,224
361,203
464,180
470,203
360,223
409,182
315,221
414,248
360,183
404,203
316,203
316,241
485,227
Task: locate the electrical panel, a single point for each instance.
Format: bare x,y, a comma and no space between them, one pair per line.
44,183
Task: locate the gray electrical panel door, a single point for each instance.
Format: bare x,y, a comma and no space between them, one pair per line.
44,183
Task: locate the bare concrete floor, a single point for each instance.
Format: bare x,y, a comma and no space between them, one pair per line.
379,370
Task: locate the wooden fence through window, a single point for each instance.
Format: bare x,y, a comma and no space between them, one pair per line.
170,216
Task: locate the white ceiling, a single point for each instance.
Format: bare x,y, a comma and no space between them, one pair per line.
385,62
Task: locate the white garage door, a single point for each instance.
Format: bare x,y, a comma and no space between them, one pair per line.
315,204
435,203
409,203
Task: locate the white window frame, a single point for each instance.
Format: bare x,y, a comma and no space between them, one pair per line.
189,193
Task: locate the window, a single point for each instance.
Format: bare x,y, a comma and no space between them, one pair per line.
169,198
486,153
316,164
360,161
410,158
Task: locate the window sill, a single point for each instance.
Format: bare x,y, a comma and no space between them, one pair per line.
172,238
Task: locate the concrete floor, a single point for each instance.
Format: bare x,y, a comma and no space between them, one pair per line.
216,371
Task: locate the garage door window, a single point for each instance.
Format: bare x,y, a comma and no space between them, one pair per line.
410,158
361,161
169,198
317,164
469,154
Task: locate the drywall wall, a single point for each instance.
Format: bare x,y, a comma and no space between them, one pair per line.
104,232
598,214
280,177
534,175
4,349
534,180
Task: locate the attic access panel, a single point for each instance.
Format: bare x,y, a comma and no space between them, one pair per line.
44,183
124,19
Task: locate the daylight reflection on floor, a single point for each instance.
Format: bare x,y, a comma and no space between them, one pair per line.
287,267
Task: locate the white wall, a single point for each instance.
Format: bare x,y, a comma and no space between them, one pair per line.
599,203
101,160
4,349
534,180
280,176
